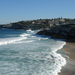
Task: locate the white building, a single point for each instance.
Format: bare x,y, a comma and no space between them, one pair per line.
51,22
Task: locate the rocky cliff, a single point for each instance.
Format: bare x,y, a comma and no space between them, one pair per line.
60,32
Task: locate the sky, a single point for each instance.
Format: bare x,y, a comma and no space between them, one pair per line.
18,10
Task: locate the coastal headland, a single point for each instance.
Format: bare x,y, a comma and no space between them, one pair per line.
65,32
38,23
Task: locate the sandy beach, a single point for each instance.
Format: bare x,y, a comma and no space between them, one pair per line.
69,68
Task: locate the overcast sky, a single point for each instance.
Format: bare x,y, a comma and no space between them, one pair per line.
17,10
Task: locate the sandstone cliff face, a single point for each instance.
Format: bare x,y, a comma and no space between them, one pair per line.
60,32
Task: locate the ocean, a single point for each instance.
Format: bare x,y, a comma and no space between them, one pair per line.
25,53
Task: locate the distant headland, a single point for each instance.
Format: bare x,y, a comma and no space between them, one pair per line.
38,24
58,28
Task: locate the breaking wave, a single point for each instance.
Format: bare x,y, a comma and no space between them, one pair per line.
31,55
11,40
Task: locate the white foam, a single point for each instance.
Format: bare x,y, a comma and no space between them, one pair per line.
11,40
24,34
30,31
58,59
40,63
25,41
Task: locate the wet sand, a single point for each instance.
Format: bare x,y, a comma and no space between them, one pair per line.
69,68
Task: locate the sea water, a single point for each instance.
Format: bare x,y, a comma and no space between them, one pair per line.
24,53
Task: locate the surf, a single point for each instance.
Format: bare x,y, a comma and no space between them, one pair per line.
30,54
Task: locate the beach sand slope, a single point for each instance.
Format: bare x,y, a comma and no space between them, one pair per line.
69,68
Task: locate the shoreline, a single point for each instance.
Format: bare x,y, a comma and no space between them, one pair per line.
69,68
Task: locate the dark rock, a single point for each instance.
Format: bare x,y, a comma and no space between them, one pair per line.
44,32
60,32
